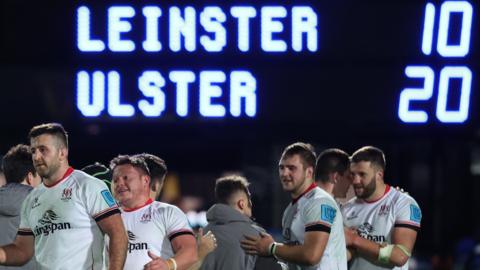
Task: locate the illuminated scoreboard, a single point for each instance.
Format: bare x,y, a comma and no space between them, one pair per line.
189,30
344,63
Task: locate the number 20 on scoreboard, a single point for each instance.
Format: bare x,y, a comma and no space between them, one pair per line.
447,49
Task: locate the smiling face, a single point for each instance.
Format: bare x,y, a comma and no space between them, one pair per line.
48,155
364,178
131,185
294,177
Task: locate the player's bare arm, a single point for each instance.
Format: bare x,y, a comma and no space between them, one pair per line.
113,227
310,253
395,254
185,248
19,252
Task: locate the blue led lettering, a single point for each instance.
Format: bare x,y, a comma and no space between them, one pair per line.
212,19
243,14
151,43
117,26
182,79
413,94
428,29
90,103
115,108
150,84
270,26
304,21
185,27
460,115
209,90
243,86
461,49
84,41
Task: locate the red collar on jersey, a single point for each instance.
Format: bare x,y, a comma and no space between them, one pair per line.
312,186
67,174
387,189
149,201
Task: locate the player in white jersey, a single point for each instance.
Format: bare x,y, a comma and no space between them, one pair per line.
312,225
159,234
64,219
385,220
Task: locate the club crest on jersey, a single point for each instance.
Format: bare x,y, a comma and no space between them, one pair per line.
35,203
146,217
328,213
415,213
366,231
66,194
384,209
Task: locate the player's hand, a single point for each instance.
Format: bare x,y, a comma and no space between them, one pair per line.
350,235
157,263
206,243
257,245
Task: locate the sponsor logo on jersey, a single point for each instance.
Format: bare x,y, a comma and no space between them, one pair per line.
384,210
107,196
135,246
366,231
328,213
47,224
415,213
66,194
35,203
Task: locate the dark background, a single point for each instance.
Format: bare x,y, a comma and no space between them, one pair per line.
345,95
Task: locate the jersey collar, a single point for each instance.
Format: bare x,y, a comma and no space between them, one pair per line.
387,189
67,174
312,186
149,201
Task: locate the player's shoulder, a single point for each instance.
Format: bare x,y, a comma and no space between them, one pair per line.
83,179
165,208
401,198
353,202
318,197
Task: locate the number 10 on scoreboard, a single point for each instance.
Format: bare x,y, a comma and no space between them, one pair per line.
444,47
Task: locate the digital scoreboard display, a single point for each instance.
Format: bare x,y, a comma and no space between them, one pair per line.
387,63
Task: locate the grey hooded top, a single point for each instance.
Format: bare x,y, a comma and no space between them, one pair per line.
229,227
12,196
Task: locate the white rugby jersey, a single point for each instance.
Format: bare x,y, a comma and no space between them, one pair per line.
152,227
316,210
62,218
376,220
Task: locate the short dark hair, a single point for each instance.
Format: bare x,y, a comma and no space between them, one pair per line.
306,152
54,129
372,154
227,186
156,166
135,161
17,163
330,161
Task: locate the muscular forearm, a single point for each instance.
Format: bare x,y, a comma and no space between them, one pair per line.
371,250
299,254
117,251
186,257
13,255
